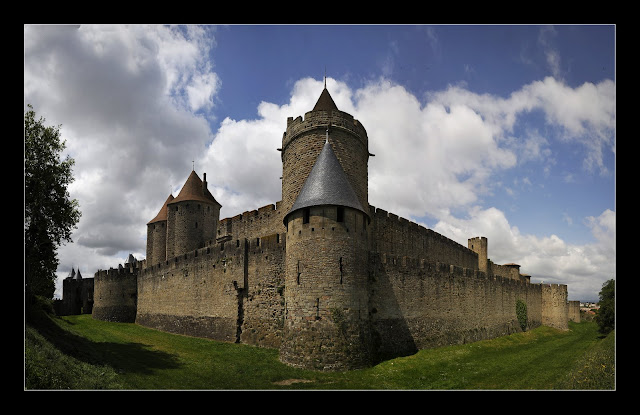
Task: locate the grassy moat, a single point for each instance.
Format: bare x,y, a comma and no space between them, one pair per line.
78,352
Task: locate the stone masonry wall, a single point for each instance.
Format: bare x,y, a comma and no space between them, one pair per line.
264,221
189,225
115,294
195,293
397,236
555,309
156,242
417,304
574,311
263,300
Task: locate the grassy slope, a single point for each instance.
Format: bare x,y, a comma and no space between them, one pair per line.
91,354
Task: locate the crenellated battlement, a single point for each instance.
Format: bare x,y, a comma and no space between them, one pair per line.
432,268
122,270
216,254
338,120
265,220
399,236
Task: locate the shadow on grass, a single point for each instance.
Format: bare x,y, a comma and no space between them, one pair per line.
123,358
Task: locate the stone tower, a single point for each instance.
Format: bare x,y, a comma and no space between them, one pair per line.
327,325
192,217
157,236
304,139
479,245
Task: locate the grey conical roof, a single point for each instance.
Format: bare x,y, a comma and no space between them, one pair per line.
327,184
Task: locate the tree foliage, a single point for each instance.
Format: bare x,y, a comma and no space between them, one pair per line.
606,315
521,313
49,213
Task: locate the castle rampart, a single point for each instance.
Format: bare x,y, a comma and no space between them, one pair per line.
195,293
397,236
417,304
266,220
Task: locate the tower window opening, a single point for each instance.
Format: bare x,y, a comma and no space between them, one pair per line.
340,217
305,215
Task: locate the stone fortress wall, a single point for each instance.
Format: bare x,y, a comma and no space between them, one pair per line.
418,297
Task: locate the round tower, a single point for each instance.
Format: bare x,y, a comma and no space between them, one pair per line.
157,236
304,139
326,293
192,217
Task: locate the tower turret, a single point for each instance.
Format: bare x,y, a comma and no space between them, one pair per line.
326,296
303,141
157,236
479,245
192,217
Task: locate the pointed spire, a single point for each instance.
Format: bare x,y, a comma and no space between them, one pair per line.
325,102
327,184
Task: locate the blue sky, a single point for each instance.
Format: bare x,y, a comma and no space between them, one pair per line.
503,131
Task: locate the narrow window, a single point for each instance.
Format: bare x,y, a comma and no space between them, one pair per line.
340,214
305,215
196,225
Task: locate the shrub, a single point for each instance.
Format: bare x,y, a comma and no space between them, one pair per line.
521,313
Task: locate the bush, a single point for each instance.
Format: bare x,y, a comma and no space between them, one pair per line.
606,315
521,313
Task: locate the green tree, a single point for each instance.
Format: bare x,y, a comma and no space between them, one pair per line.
606,315
521,313
49,213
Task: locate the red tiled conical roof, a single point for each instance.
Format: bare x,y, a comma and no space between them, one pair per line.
162,215
193,189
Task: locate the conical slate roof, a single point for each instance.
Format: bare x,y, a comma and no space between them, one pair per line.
162,215
325,102
327,184
193,190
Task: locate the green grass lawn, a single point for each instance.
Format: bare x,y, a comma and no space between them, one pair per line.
78,352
